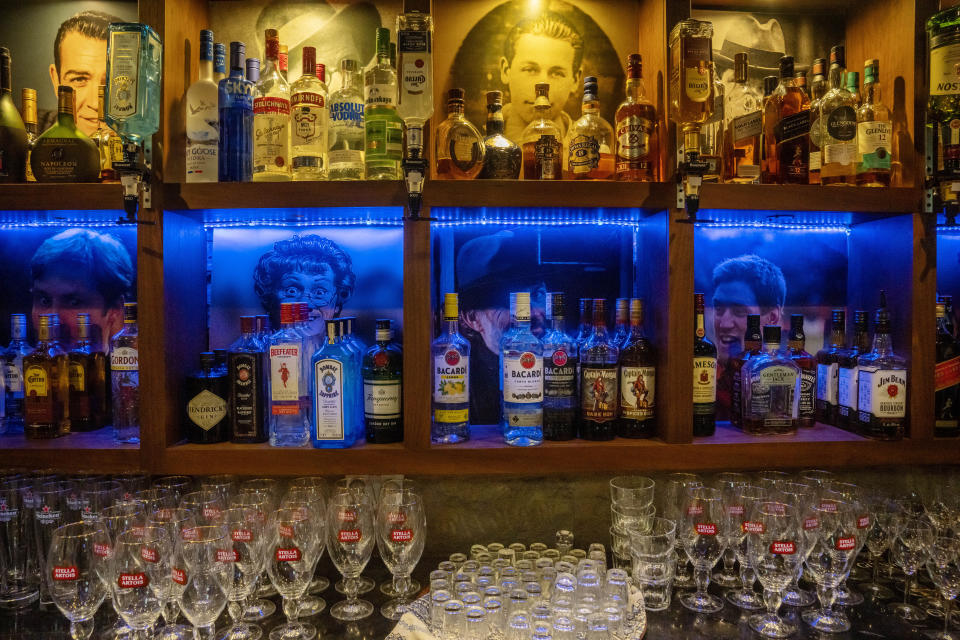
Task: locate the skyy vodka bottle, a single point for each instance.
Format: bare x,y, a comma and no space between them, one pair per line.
521,367
235,98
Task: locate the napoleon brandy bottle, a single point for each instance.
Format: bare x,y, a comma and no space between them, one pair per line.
46,386
637,379
206,411
63,153
247,376
828,370
796,344
704,375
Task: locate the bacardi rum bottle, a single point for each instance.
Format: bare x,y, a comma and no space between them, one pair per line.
271,118
521,367
125,374
882,403
559,374
451,379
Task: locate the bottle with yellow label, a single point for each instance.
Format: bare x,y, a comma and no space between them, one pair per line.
691,73
81,373
28,104
46,387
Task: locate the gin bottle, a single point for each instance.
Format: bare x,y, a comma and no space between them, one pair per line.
838,126
289,384
206,418
13,371
355,397
331,384
521,366
882,391
848,373
125,375
638,375
46,386
828,371
203,118
589,147
383,128
271,118
559,374
308,106
382,388
540,140
134,60
451,379
771,389
502,159
235,100
599,394
247,372
460,148
346,125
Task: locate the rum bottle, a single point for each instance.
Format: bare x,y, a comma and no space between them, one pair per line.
460,147
599,396
521,367
271,118
13,357
743,126
502,158
752,345
308,109
451,379
791,129
206,412
235,102
818,89
559,374
14,145
771,389
848,373
637,133
838,121
796,345
588,148
383,128
81,371
540,140
289,391
946,379
331,383
202,118
382,388
828,375
125,377
882,403
621,327
704,375
46,403
637,380
246,376
874,132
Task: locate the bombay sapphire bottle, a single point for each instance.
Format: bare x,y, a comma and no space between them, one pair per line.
134,59
236,120
521,366
331,384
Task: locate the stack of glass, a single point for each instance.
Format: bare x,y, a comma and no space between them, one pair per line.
631,508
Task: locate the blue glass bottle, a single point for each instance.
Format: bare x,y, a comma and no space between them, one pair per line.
236,120
521,367
357,348
219,61
332,387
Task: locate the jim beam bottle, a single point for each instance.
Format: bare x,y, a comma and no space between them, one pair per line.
882,402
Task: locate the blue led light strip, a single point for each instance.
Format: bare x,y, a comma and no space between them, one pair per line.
44,219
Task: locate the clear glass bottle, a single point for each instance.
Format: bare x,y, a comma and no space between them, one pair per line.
247,375
283,60
309,111
382,388
818,89
704,374
331,384
599,396
14,146
219,62
28,104
828,374
235,101
521,367
206,415
81,371
848,373
46,404
559,374
63,153
882,390
13,372
460,148
752,344
874,132
357,349
638,375
796,346
271,118
540,141
345,155
125,377
383,128
771,389
415,68
289,384
451,379
502,158
943,101
743,126
691,86
838,121
202,118
637,133
589,147
110,145
134,61
621,325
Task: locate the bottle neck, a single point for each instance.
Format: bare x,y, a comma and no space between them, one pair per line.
590,105
882,342
871,93
556,323
351,81
837,338
237,73
942,324
837,74
635,89
771,347
862,340
495,124
699,326
206,70
451,326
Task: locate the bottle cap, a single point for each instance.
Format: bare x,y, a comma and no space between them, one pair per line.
599,312
43,331
129,312
262,323
543,94
219,57
769,84
286,313
347,65
771,334
634,66
83,326
282,57
636,311
623,309
65,99
101,100
819,66
451,304
253,70
740,68
247,324
455,94
272,41
494,97
28,103
838,56
18,326
206,44
698,305
309,61
586,309
796,321
238,53
522,304
882,321
384,332
333,327
786,67
207,360
853,80
555,306
838,319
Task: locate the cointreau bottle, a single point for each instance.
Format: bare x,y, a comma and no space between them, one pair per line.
704,375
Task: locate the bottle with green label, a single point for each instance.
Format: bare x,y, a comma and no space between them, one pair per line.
874,132
383,128
838,122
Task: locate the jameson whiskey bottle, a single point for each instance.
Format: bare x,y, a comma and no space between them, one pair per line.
63,153
704,375
637,379
46,387
14,145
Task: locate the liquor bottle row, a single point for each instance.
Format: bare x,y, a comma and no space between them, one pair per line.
52,388
947,372
296,386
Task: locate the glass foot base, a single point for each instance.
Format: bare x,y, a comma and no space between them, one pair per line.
940,635
240,632
18,599
351,610
294,631
394,609
909,612
798,598
387,589
310,606
726,580
876,591
826,621
701,602
259,610
175,632
771,626
318,586
364,583
848,598
746,600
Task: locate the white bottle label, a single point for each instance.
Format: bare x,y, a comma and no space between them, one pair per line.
345,158
636,392
883,393
202,162
381,398
328,399
847,393
124,74
747,126
523,379
451,377
285,372
840,153
874,145
124,359
271,133
827,379
943,70
380,95
704,380
13,376
309,113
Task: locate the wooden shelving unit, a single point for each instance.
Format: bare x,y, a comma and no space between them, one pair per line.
60,197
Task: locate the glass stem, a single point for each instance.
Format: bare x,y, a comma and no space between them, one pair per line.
235,609
701,577
729,557
170,611
947,612
747,577
401,584
205,633
826,596
81,629
290,609
906,590
876,568
352,588
772,599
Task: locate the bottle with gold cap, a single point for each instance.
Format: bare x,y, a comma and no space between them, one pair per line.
28,105
637,379
108,142
46,386
63,153
81,373
13,135
451,378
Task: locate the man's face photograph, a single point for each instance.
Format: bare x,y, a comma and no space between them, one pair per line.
83,66
732,303
61,292
539,58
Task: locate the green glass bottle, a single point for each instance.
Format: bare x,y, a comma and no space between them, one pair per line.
63,153
383,128
13,135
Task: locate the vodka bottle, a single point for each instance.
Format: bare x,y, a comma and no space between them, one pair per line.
345,154
271,119
203,118
308,106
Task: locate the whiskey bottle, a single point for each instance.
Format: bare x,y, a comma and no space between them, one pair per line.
800,80
382,388
768,153
853,86
874,141
81,371
711,135
110,145
289,392
332,379
818,89
691,74
460,148
947,379
599,396
63,153
247,375
792,128
451,379
271,118
796,344
588,148
637,380
828,370
13,357
309,111
743,126
637,135
752,345
502,158
202,118
383,128
848,373
521,368
949,323
704,375
235,106
46,387
838,122
206,418
882,403
14,145
540,140
28,104
560,358
125,377
771,389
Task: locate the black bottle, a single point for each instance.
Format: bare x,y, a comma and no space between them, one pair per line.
206,418
247,378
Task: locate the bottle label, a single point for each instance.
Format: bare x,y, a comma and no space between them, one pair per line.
451,371
244,399
842,124
523,379
816,134
13,376
697,82
633,138
416,61
384,139
309,114
559,375
328,399
464,148
847,393
78,377
584,154
827,382
704,380
345,158
598,393
203,115
547,152
873,145
814,159
380,95
285,378
943,70
414,75
770,407
947,374
37,382
124,74
345,116
747,126
382,398
839,154
450,415
206,410
883,393
124,359
271,132
808,393
636,392
793,126
202,162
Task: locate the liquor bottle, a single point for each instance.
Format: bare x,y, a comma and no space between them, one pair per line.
220,360
203,118
948,308
800,80
28,105
691,86
828,374
743,126
874,142
247,374
768,157
460,147
540,140
415,70
521,364
14,145
219,62
289,415
206,418
796,345
838,121
109,144
704,375
853,86
637,380
46,406
502,158
585,327
134,60
331,382
589,147
752,345
382,389
345,155
848,373
354,373
383,128
711,135
13,357
792,128
947,379
271,118
125,377
943,105
559,374
253,73
638,140
882,391
771,388
599,396
81,371
621,327
818,89
308,108
451,379
63,153
235,100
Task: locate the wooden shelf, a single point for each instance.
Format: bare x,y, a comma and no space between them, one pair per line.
539,193
296,195
58,197
74,452
777,197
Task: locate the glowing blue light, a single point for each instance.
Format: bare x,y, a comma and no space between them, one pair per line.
819,221
296,218
59,218
541,217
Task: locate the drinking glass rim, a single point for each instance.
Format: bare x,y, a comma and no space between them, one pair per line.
669,528
88,530
632,483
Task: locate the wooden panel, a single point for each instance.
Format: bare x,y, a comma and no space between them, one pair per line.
417,333
52,197
244,195
652,38
923,333
676,423
75,452
809,198
537,193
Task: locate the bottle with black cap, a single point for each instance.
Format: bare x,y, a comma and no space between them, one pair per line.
771,389
882,390
207,391
768,157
